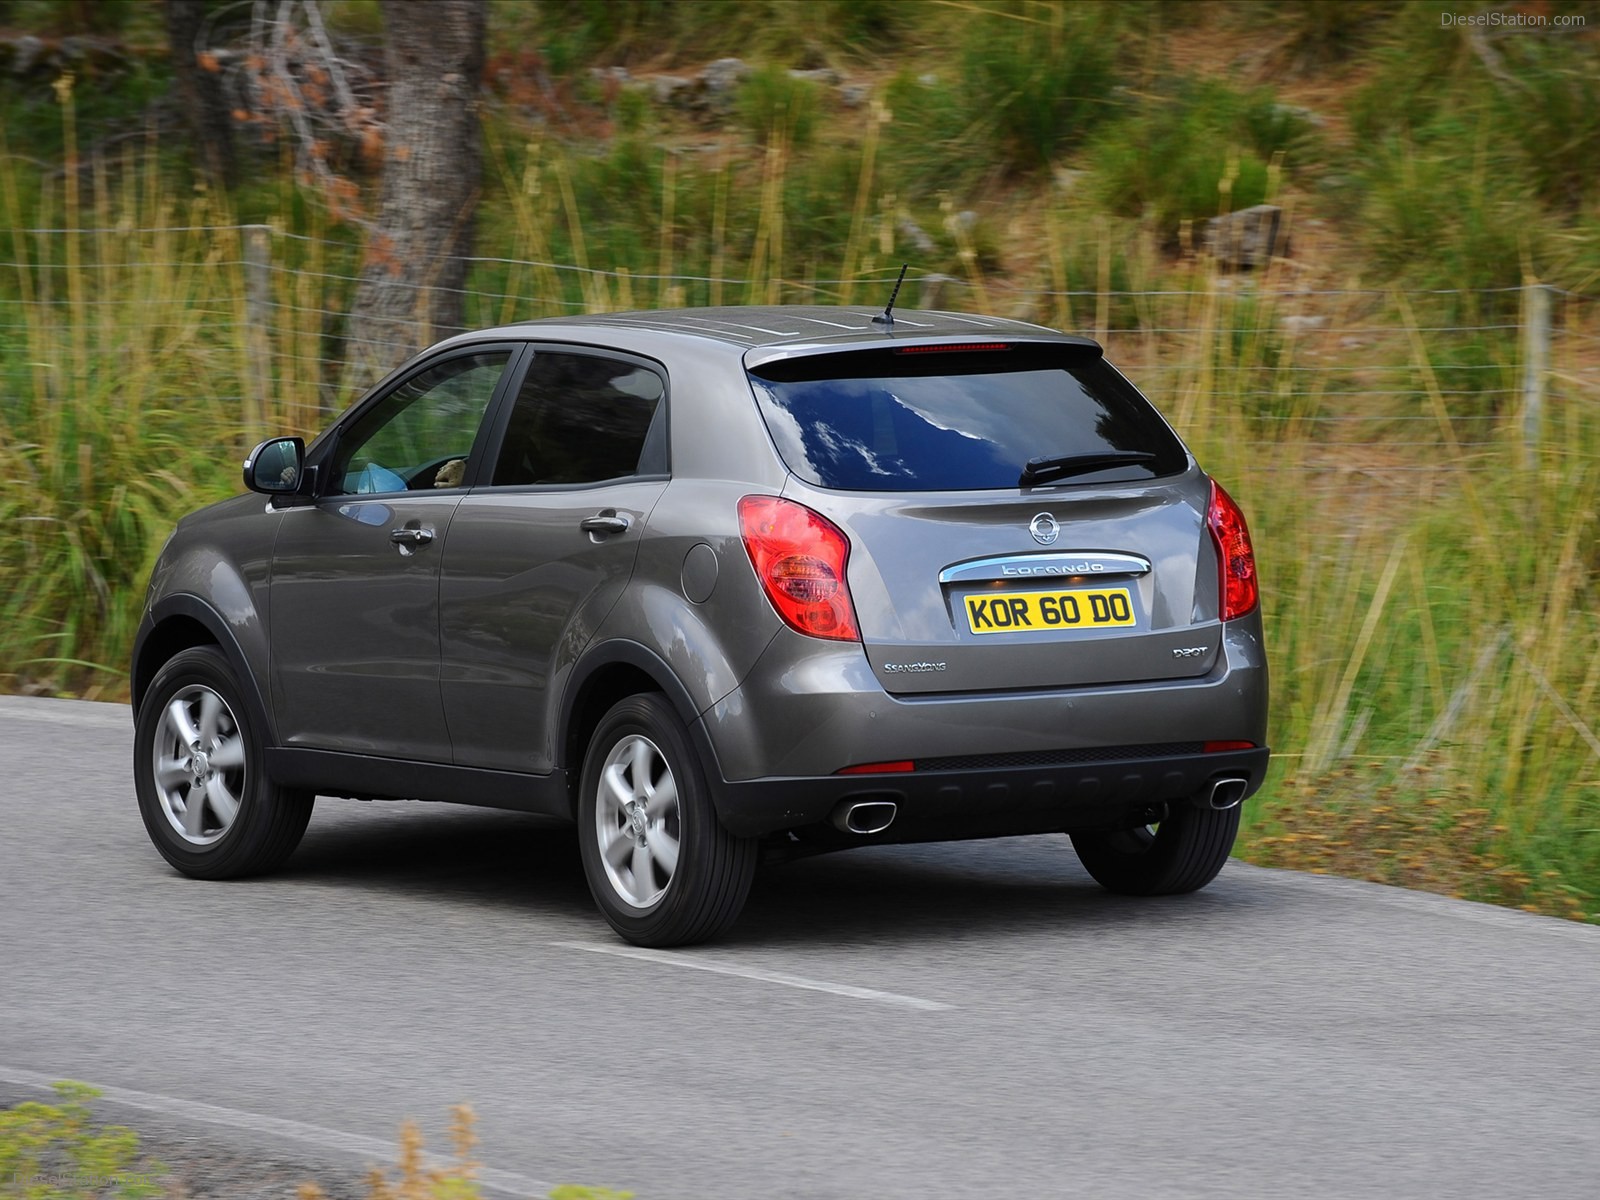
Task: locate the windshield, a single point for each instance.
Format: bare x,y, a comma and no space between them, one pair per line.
911,420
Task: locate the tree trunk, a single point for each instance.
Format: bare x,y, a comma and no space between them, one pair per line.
200,92
411,279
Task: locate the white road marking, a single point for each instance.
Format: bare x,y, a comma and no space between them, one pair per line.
371,1150
693,963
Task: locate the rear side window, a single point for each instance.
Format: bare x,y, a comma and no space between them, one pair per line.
888,420
584,418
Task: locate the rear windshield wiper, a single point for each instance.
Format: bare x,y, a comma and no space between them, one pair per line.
1059,466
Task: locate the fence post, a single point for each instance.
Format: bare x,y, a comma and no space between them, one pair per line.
258,322
1535,365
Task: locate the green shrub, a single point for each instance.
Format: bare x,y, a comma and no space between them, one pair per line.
1428,219
1320,32
576,33
1037,81
55,1152
1552,116
929,143
1526,105
1193,150
776,108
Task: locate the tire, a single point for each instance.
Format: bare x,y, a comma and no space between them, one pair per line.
661,867
199,769
1181,854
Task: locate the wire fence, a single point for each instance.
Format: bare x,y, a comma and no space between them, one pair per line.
1406,381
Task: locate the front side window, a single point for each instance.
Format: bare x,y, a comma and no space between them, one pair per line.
584,418
420,436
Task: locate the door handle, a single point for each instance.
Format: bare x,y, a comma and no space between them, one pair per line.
410,536
606,522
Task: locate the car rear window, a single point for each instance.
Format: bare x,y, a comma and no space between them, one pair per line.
911,419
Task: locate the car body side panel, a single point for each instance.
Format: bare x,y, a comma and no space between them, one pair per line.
717,433
220,559
693,547
522,592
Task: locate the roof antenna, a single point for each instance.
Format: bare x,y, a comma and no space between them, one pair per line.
888,309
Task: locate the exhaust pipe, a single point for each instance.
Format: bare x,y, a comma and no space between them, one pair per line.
864,816
1227,793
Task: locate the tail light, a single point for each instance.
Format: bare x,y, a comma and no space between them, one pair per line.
1240,591
800,556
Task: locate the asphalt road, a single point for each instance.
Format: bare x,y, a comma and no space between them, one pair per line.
950,1021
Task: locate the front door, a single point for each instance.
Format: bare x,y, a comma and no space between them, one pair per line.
354,607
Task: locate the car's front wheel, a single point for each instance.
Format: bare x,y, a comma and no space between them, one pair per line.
1181,854
660,865
200,776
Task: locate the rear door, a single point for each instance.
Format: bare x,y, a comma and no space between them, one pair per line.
541,553
971,571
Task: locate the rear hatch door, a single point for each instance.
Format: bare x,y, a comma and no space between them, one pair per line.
971,571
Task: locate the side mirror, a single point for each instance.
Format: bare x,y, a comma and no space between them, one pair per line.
276,467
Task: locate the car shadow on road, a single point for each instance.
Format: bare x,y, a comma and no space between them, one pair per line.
949,890
445,850
881,892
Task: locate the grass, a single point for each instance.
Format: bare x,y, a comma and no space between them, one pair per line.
1431,595
1435,649
59,1152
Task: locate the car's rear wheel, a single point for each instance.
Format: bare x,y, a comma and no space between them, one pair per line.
200,776
1181,854
661,867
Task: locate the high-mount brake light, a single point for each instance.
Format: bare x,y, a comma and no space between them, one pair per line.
1240,590
800,556
960,348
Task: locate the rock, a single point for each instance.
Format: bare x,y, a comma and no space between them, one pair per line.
667,88
82,53
1351,343
1246,239
26,53
1300,324
916,235
603,74
854,95
823,75
724,75
928,80
1067,180
1314,119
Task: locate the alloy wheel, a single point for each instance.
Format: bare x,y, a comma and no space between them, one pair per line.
638,821
199,765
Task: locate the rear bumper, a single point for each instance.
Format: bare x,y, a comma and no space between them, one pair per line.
939,805
1006,759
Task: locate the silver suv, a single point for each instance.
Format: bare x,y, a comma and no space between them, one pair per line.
719,584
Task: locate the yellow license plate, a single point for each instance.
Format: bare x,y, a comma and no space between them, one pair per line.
1026,612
